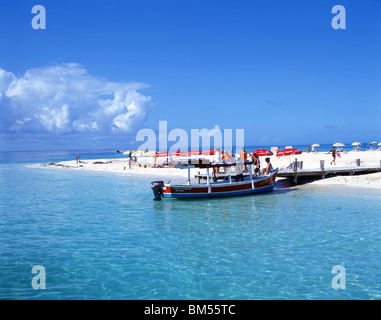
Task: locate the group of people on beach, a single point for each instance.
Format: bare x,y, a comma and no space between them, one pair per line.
240,168
268,168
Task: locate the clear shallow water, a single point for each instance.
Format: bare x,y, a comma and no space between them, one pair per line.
102,237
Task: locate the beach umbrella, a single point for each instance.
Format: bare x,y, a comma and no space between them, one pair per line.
373,142
163,154
210,152
338,144
179,153
194,153
138,153
261,152
289,152
150,153
315,145
356,144
379,144
126,153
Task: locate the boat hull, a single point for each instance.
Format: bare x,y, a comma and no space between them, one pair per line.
265,184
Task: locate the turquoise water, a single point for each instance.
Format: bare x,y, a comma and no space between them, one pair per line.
102,237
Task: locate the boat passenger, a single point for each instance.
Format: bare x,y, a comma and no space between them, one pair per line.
231,155
217,158
268,169
256,163
239,170
226,156
243,155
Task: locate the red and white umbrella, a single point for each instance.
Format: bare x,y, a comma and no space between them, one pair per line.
179,153
289,152
261,152
163,154
194,153
210,152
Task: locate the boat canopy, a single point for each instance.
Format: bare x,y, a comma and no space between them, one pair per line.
204,163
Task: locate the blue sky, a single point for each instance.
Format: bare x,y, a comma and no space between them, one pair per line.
104,69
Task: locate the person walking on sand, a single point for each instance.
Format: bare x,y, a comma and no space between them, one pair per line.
333,151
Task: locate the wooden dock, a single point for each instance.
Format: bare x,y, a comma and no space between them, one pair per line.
296,173
327,172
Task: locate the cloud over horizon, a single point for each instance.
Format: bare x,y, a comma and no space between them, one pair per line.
65,98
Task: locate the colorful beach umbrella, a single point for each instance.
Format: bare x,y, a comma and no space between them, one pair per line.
356,144
315,145
210,152
338,144
194,153
379,144
289,152
126,153
163,154
179,153
261,152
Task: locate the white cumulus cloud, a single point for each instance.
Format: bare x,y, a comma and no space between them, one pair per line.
65,98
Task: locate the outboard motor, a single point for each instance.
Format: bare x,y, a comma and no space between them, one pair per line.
157,188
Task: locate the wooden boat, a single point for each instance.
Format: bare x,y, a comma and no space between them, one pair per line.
227,187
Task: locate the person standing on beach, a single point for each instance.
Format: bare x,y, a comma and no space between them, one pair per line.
333,151
154,160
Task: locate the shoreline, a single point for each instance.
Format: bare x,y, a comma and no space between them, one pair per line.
310,161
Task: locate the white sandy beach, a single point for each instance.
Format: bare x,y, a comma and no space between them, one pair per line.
310,161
